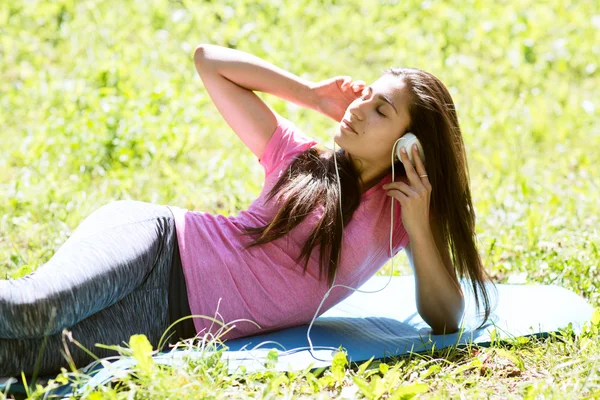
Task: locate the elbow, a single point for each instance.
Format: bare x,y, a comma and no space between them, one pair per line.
199,53
445,329
443,326
450,323
205,58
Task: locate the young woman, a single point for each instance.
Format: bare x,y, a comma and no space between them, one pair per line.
134,267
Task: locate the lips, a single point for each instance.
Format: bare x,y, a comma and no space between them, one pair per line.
346,122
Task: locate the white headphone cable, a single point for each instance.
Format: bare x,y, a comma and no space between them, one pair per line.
338,265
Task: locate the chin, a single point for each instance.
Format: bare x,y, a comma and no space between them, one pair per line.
338,145
337,137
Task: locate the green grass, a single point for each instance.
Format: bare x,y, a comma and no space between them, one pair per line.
100,101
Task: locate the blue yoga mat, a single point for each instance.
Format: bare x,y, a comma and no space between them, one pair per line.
386,324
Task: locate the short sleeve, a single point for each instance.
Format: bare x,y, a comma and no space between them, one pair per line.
286,142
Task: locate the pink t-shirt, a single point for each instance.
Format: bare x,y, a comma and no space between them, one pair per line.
264,283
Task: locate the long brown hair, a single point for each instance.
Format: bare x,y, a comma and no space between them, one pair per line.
310,180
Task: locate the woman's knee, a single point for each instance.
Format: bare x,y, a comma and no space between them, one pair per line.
30,307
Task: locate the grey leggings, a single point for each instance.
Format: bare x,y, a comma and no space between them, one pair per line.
108,281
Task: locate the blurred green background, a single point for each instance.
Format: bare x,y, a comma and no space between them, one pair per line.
99,101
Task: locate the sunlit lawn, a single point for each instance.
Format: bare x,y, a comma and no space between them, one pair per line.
100,101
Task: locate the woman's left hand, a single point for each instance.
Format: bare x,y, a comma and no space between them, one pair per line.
414,198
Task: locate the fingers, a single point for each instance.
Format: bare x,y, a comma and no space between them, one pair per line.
410,170
401,187
358,85
418,162
416,177
347,80
421,171
419,186
355,86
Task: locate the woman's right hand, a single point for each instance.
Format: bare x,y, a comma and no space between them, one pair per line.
334,95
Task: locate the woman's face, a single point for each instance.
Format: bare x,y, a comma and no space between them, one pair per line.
377,124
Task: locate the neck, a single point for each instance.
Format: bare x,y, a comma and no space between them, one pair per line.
370,177
370,174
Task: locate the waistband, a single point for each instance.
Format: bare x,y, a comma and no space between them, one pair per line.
179,305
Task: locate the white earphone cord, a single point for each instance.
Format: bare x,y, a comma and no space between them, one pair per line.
335,273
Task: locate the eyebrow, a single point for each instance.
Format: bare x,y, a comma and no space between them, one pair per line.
386,99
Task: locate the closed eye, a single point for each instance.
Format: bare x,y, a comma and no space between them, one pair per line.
369,89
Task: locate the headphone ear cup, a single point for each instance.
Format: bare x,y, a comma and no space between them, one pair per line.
407,141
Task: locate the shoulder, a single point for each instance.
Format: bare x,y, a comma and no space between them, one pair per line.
287,141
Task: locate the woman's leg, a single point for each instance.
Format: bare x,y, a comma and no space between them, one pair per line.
107,281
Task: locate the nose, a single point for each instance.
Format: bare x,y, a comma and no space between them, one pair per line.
355,110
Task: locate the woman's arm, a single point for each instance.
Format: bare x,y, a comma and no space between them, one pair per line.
254,73
440,301
230,77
